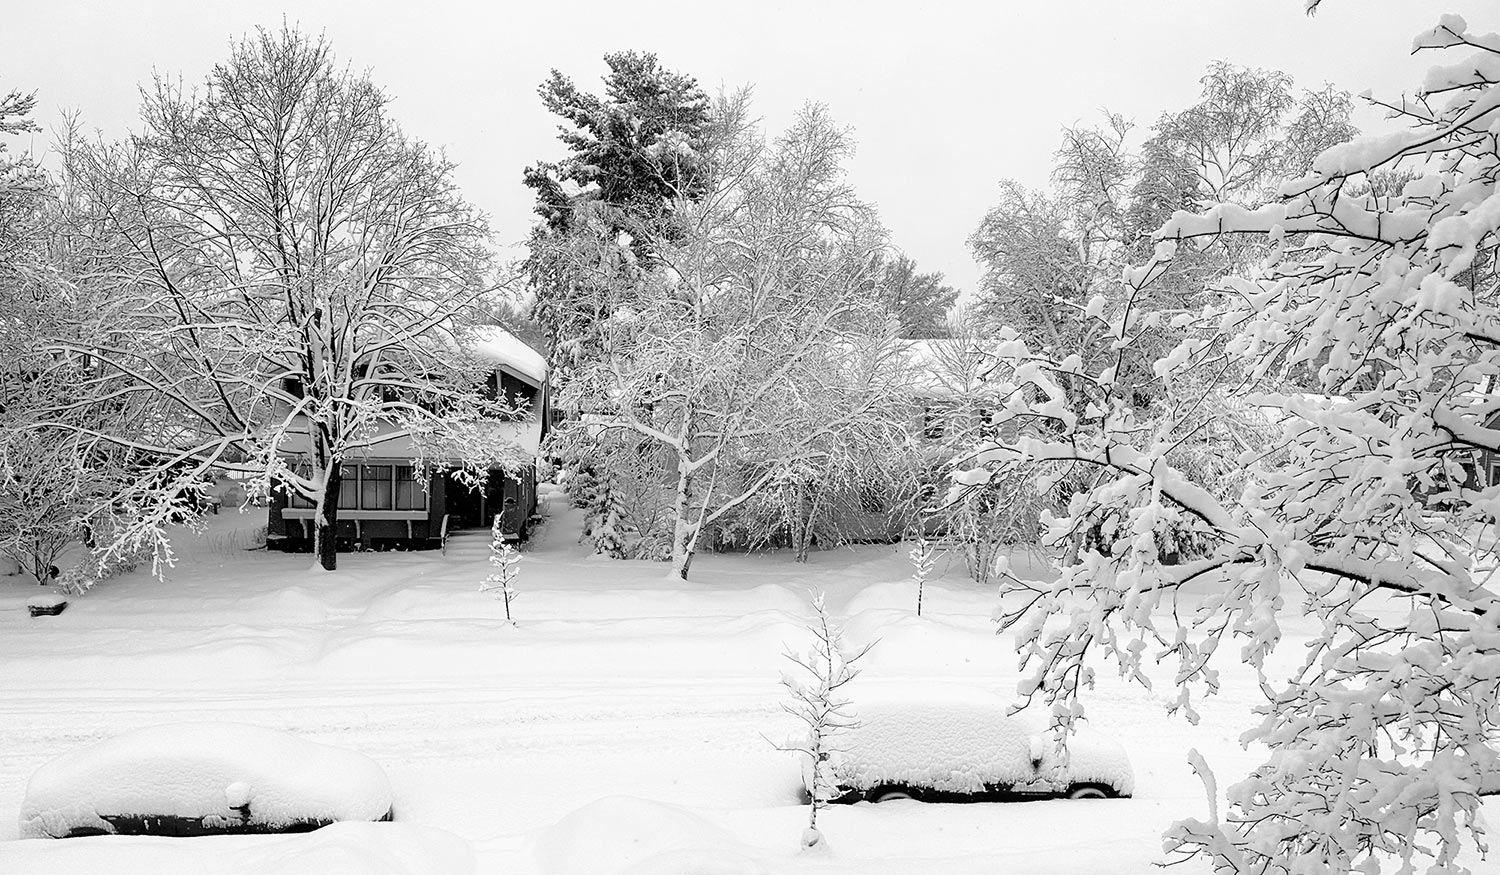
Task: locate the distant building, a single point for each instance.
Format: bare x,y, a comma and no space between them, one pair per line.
382,500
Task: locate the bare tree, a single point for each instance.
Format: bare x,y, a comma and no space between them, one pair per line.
504,559
819,701
284,274
1370,512
721,346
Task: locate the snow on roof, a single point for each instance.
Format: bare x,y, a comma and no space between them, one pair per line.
224,771
507,350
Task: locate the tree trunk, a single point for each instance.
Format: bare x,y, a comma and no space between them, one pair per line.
684,533
807,510
325,522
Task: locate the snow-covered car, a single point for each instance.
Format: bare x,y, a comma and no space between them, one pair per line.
192,779
958,745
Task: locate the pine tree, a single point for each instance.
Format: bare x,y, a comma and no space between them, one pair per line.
634,154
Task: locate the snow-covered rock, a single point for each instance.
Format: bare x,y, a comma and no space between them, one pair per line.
200,778
955,742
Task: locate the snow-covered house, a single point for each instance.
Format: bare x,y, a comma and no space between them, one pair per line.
387,499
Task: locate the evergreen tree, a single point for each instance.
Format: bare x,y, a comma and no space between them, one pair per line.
632,154
636,149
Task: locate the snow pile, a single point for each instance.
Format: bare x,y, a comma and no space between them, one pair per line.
623,834
339,849
232,777
365,849
958,740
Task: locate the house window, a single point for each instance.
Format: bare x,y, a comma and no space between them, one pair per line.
348,487
293,497
409,493
375,487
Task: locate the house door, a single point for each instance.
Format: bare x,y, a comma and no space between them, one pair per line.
464,506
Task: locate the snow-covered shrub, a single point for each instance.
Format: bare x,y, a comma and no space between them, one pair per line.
819,700
627,512
989,517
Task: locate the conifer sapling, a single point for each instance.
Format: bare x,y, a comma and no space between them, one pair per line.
923,558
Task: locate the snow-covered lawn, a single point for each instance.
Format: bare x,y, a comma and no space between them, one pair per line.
620,726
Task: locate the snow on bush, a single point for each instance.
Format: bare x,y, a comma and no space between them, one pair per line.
958,740
231,777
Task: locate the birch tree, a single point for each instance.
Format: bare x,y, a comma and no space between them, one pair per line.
1372,511
285,271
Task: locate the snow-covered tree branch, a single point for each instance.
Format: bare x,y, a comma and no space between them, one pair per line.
751,346
279,272
1365,342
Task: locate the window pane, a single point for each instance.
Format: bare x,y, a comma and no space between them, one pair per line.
409,492
348,487
375,486
294,499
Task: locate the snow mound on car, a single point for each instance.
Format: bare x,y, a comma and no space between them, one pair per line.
225,775
959,740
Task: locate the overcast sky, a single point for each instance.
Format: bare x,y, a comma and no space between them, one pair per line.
945,98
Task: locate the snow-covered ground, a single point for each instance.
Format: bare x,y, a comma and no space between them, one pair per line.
620,726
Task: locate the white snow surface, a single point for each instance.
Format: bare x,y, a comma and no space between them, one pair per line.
203,770
615,684
504,348
338,849
958,739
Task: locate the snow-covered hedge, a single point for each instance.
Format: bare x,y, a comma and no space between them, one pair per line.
200,778
960,741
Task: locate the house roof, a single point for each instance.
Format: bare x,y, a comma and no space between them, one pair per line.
508,351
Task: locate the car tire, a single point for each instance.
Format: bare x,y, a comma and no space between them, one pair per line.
889,794
1089,791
